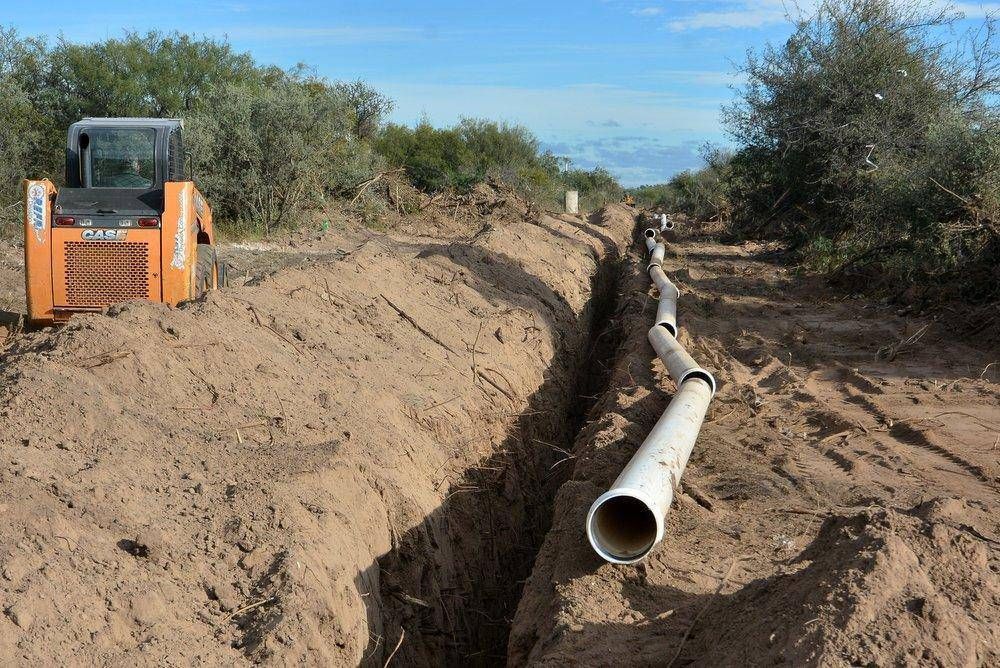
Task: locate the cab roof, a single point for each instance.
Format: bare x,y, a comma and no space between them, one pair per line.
166,123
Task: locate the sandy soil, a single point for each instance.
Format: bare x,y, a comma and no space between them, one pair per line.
839,509
357,453
326,463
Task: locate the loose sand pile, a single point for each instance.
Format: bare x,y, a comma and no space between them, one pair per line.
383,445
302,468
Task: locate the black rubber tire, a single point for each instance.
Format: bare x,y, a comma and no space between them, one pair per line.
223,279
205,270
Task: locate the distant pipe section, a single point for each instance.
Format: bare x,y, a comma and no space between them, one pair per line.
666,308
656,255
627,521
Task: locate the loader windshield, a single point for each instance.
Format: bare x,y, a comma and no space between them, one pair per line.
119,157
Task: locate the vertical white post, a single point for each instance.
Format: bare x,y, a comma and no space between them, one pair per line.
572,201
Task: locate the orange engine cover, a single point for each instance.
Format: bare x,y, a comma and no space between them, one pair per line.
95,268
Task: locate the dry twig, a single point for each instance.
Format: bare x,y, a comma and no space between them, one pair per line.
402,314
402,634
245,608
889,353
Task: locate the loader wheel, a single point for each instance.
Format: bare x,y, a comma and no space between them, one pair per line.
205,270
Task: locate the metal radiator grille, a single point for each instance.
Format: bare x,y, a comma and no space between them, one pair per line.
105,273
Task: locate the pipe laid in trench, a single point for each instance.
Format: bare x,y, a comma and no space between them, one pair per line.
679,364
666,307
627,521
658,252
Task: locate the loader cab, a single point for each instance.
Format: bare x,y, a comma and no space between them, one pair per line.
116,167
129,224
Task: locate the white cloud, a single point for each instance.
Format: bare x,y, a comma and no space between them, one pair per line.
744,14
738,15
760,13
693,77
565,110
647,11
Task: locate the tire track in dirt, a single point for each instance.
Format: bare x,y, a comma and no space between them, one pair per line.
811,541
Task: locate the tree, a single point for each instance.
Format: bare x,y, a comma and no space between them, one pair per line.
871,135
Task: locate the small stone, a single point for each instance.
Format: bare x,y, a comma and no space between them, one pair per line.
227,595
21,614
148,608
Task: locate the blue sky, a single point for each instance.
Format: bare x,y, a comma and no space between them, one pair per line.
635,86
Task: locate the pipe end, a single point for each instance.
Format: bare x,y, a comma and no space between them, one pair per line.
669,326
700,374
650,233
623,527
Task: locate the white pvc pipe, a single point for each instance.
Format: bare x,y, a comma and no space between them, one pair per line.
662,283
626,522
666,308
657,254
665,223
572,201
679,364
666,315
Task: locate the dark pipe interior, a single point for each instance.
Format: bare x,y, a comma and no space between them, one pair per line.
624,526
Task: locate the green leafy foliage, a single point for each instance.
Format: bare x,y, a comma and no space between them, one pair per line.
701,194
871,138
477,150
266,144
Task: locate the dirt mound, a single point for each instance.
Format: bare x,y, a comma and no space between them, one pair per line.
879,587
809,423
347,457
385,444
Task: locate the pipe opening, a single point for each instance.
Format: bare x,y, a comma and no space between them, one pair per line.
669,225
672,330
700,374
650,233
623,528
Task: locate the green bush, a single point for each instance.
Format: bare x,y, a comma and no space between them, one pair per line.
597,186
871,137
477,150
434,158
267,144
702,194
273,153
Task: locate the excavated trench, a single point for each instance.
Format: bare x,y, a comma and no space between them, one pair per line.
315,467
471,559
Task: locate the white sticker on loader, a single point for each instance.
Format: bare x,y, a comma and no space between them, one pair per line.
36,210
181,237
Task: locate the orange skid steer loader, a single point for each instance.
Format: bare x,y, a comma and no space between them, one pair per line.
129,223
